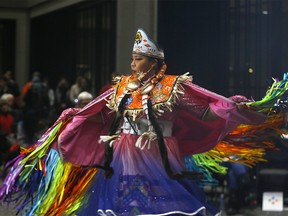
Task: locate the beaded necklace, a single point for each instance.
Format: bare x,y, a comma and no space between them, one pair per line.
134,84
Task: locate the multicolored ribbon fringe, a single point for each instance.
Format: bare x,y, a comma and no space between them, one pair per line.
248,143
42,184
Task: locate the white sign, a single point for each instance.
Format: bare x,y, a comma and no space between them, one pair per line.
272,201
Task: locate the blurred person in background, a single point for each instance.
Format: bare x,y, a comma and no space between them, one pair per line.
15,110
12,86
51,108
62,95
79,86
35,105
123,154
83,99
8,143
16,113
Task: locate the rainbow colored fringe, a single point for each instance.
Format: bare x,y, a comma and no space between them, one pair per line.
42,184
248,143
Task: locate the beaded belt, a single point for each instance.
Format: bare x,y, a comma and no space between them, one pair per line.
141,125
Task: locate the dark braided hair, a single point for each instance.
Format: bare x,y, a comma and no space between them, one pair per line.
163,149
113,129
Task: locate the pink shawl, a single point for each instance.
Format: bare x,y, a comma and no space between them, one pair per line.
78,143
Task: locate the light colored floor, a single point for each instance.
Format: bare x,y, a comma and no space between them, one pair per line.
245,212
4,211
258,212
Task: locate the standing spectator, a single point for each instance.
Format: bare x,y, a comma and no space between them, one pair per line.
11,86
6,119
50,92
14,108
7,135
35,106
62,95
79,86
50,104
149,122
16,113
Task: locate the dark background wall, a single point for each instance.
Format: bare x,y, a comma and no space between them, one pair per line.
78,40
7,45
53,45
230,47
190,33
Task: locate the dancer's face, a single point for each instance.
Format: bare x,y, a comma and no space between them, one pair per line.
142,64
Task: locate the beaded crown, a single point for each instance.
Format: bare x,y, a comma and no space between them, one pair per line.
143,45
